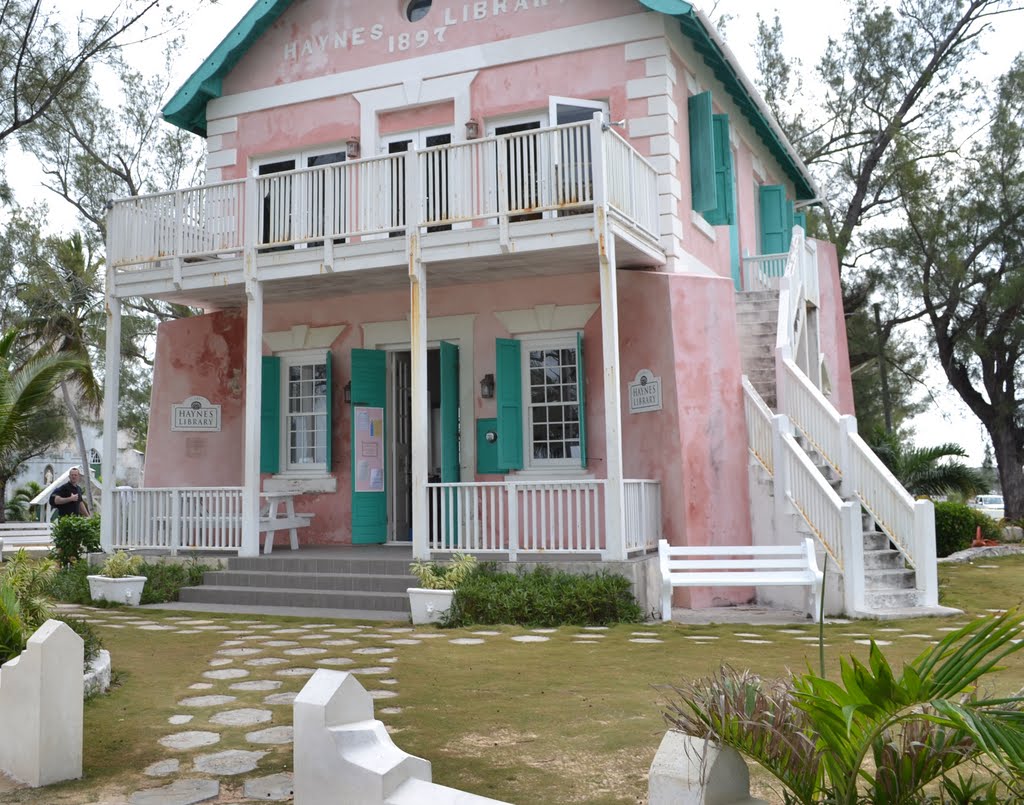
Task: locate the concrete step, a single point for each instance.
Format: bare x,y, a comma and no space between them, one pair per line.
880,580
883,560
875,541
392,603
364,582
881,600
288,562
754,297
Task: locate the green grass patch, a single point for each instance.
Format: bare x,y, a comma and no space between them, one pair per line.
556,721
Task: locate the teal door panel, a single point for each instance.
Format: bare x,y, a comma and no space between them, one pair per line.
369,398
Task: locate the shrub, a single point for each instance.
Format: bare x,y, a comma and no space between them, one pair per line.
164,580
435,576
73,536
121,565
90,638
70,585
542,597
956,525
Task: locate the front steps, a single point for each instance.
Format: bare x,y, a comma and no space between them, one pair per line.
757,314
345,580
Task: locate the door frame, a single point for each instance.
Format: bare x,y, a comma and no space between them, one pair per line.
393,336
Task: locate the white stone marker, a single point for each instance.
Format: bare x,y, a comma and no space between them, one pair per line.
41,692
690,771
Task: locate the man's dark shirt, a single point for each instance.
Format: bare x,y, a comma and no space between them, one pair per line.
66,491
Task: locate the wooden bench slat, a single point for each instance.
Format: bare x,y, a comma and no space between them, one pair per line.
735,550
736,564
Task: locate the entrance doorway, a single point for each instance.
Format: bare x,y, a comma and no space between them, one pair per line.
435,188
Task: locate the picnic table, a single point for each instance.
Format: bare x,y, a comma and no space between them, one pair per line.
277,513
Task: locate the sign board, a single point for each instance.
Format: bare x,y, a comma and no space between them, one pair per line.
645,392
195,413
369,448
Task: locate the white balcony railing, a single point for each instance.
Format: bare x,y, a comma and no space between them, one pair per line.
482,182
553,517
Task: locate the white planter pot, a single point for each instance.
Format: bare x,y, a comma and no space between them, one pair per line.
126,590
429,606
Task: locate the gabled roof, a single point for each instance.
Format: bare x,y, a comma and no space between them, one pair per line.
187,109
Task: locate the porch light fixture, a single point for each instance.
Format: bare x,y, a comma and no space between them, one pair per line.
352,148
487,386
472,129
348,392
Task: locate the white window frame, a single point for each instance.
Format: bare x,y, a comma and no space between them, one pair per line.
287,469
533,341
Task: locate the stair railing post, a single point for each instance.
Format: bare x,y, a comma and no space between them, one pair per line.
851,483
781,427
853,558
926,569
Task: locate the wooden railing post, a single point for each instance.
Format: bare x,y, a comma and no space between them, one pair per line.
926,566
850,482
513,521
853,558
175,521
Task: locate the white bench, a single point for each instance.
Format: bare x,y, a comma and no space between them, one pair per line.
25,535
273,519
738,566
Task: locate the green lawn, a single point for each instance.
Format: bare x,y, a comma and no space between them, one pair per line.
554,721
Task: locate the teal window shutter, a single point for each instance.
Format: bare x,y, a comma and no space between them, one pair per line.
270,415
581,397
509,395
702,153
450,468
800,220
369,389
790,218
774,239
328,430
722,214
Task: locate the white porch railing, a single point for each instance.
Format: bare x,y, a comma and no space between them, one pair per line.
480,182
760,437
564,517
763,272
191,519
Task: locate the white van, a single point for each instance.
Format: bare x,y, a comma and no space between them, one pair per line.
992,505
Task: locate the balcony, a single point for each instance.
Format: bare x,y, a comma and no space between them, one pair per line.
498,203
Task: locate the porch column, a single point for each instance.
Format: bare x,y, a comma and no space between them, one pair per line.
111,381
253,396
614,511
418,355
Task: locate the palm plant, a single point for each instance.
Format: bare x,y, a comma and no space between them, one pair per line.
31,581
877,736
18,508
923,470
27,422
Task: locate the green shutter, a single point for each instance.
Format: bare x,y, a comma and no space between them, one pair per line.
702,153
723,213
369,388
790,216
508,391
581,397
449,413
772,199
328,430
270,414
800,220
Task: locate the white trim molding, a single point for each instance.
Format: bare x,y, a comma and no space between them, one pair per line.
545,318
302,336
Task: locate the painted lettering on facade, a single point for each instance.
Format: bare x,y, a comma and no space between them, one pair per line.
645,392
362,35
195,413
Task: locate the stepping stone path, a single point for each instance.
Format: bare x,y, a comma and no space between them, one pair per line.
257,684
189,740
180,792
245,717
260,662
179,720
271,735
229,762
275,788
207,701
227,673
162,768
531,638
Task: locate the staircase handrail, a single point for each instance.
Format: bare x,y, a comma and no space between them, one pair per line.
818,420
759,426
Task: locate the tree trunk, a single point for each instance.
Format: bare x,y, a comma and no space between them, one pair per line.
3,500
1009,457
86,469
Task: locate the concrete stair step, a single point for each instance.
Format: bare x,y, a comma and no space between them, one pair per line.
885,559
364,582
898,579
880,600
289,562
875,541
384,602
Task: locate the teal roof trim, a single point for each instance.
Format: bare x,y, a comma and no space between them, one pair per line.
187,109
706,46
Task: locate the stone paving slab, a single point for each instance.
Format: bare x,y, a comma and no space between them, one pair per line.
229,762
180,792
275,788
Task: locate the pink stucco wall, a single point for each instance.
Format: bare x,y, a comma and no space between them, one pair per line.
315,39
683,328
832,328
198,356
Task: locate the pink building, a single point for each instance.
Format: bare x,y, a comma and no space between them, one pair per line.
489,276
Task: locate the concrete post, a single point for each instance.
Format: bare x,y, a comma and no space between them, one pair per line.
111,381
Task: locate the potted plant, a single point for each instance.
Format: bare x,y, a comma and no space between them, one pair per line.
433,598
117,581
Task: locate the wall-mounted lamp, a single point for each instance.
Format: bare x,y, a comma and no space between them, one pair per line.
352,148
487,386
348,392
472,129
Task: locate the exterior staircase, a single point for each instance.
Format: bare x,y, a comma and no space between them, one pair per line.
889,585
356,582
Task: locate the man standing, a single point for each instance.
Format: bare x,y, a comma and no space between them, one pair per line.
67,499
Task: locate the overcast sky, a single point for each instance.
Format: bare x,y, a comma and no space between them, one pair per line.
947,418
